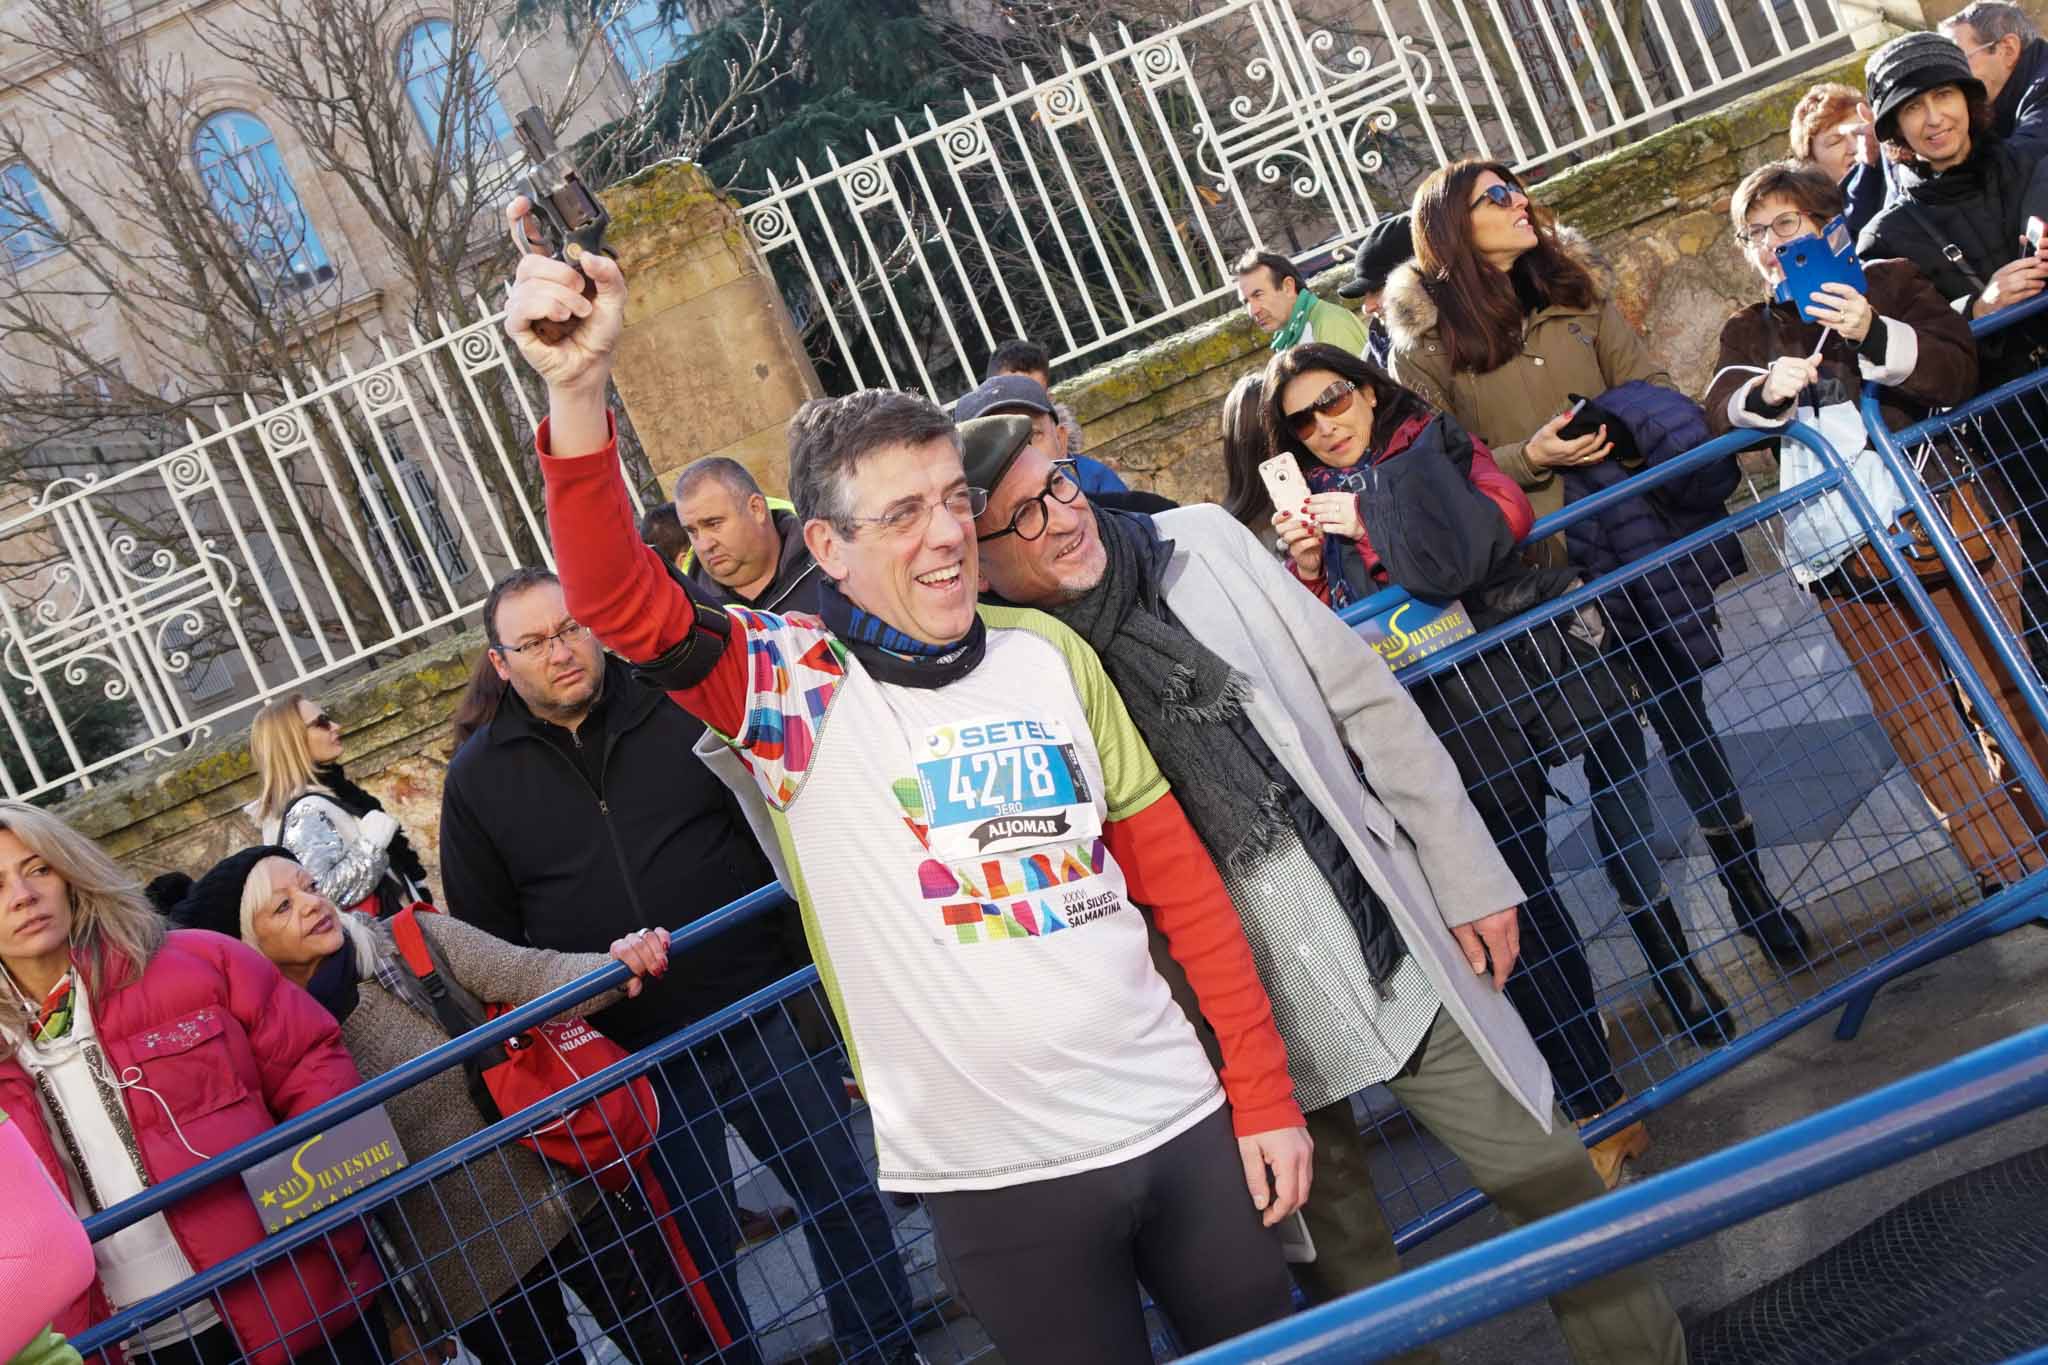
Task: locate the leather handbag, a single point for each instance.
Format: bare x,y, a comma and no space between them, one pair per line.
1964,507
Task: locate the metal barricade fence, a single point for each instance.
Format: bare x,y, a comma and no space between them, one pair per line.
1865,749
1883,791
1866,1134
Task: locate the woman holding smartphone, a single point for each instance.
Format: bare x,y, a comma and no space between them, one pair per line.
1511,714
1498,322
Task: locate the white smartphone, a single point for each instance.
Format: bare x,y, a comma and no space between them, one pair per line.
1284,483
1295,1244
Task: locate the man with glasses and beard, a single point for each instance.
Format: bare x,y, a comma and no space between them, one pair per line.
1382,917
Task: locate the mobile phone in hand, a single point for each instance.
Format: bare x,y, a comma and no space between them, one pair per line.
1296,1246
2036,230
1284,483
1578,422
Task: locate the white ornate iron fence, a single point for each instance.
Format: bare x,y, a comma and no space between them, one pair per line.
1086,208
143,607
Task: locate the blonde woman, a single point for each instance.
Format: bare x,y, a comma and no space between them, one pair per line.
129,1054
340,833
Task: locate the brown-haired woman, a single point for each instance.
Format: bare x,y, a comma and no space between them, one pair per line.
1501,324
1902,335
1349,427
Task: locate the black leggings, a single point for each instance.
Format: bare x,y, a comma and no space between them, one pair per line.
621,1268
1551,986
1051,1267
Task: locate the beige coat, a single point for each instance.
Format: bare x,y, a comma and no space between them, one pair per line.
1319,695
1586,351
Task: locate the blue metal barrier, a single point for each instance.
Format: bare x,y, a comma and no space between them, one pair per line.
1653,1216
448,1159
449,1054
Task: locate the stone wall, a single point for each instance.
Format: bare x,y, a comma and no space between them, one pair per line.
1656,214
184,815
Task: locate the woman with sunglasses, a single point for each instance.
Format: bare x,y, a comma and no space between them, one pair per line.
359,857
1456,522
1902,334
1497,322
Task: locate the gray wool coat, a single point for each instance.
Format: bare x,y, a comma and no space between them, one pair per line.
481,1228
1319,690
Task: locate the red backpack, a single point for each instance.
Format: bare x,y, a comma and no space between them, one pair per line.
603,1134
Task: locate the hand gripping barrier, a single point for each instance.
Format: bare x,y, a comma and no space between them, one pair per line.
1781,766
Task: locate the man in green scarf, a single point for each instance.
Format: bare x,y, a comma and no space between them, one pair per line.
1277,296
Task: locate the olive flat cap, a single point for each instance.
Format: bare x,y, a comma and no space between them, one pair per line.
989,445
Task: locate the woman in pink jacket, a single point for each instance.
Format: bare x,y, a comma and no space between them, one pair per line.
129,1054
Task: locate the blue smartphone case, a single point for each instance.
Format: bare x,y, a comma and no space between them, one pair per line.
1810,262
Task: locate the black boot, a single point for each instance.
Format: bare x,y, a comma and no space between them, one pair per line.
1777,930
1697,1007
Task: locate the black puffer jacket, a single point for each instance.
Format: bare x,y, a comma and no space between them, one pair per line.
1671,608
1980,209
1535,698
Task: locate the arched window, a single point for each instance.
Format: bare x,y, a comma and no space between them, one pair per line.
426,64
643,40
242,171
25,236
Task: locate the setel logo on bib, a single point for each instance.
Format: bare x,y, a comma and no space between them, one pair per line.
1002,784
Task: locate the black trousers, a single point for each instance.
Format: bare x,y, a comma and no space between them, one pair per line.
1551,986
620,1267
1051,1268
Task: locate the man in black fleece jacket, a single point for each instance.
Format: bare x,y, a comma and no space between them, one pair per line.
578,814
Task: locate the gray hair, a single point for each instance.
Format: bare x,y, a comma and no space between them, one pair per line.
1992,20
734,475
829,437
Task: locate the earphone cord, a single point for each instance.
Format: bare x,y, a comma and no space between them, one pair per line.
131,1079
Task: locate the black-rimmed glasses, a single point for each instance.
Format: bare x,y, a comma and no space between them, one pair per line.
1032,516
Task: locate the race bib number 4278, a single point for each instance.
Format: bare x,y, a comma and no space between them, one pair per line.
998,785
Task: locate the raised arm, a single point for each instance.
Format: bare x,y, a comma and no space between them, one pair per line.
613,584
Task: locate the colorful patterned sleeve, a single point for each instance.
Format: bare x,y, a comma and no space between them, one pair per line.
794,668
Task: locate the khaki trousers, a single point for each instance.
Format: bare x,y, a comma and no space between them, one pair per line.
1620,1319
1966,779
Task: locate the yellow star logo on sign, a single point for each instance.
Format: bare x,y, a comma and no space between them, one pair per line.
270,1199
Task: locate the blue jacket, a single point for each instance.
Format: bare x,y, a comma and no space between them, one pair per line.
1670,609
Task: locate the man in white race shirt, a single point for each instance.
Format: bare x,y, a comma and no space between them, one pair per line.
967,818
